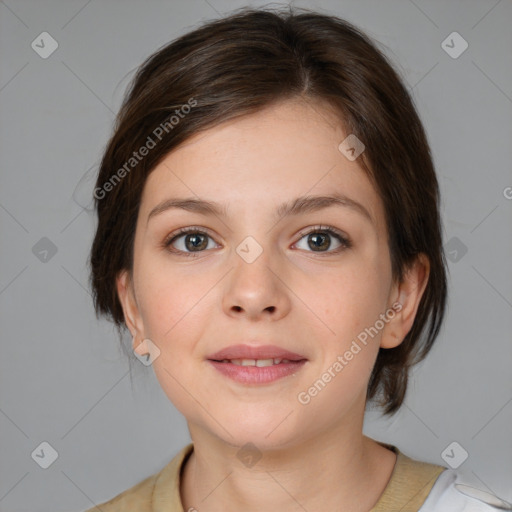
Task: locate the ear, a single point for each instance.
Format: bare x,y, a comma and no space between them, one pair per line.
406,299
132,317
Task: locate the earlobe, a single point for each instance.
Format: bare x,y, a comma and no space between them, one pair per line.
126,296
141,348
407,295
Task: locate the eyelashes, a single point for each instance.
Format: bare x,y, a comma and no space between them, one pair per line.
182,233
332,232
200,240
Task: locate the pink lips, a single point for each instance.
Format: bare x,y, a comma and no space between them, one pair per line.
256,374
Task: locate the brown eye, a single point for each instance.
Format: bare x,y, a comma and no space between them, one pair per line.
196,242
321,239
189,241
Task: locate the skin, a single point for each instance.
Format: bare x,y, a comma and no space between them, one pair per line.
310,302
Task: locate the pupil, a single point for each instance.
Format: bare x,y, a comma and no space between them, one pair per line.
324,241
195,242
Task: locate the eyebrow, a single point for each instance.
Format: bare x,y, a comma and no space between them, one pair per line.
300,205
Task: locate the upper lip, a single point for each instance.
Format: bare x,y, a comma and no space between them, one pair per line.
250,352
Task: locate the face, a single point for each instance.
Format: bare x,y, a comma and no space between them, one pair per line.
257,266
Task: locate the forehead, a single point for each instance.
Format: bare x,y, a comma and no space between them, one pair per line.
282,152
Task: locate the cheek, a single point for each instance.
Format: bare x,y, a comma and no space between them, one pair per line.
174,303
350,301
351,305
172,308
170,299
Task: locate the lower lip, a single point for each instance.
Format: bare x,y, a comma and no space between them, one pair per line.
257,374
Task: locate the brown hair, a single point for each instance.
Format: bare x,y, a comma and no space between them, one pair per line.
240,64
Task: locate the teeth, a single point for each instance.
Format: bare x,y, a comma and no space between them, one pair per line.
264,362
256,362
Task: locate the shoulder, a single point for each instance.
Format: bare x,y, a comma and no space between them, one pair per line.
160,489
417,486
451,493
137,498
409,484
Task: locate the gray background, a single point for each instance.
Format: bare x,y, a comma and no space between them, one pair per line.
63,377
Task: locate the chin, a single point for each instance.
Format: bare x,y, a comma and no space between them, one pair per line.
266,433
259,442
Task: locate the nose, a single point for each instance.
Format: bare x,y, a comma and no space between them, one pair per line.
257,290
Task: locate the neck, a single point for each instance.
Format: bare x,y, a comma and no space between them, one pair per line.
316,474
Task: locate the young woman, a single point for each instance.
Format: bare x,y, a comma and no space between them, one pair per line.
269,233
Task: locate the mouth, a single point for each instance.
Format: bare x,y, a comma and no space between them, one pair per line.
256,365
255,353
260,363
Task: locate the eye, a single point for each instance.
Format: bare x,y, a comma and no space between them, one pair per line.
189,240
320,239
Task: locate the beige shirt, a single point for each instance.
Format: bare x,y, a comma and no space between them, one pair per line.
406,491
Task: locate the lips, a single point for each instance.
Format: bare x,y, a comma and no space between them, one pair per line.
246,352
255,366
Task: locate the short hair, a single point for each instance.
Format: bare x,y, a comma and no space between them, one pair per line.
240,64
